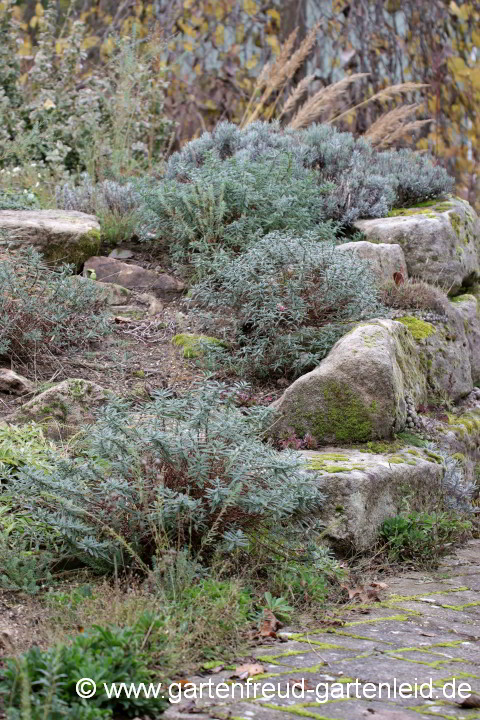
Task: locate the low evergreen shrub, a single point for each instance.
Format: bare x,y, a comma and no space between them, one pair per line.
291,300
362,181
42,683
191,471
230,187
45,310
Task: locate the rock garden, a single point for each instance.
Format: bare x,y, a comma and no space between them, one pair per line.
266,391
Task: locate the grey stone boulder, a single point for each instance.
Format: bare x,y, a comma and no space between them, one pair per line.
357,393
440,242
133,277
64,408
13,383
363,489
385,260
467,307
444,353
59,235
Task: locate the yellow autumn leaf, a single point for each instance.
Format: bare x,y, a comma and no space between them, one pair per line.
108,46
454,9
59,47
90,41
272,40
23,78
275,15
220,34
250,7
219,12
187,4
39,11
210,105
253,62
198,69
49,104
25,49
34,21
188,46
196,20
239,33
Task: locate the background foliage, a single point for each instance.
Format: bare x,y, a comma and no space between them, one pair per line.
214,51
206,68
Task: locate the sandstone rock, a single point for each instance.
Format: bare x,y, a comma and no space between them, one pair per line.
440,242
357,393
11,382
109,293
64,408
134,277
363,489
467,307
59,235
121,253
444,353
385,260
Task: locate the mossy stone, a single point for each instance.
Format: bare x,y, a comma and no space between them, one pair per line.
194,345
419,328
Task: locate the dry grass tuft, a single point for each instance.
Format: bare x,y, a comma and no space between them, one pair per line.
275,76
414,295
393,91
394,125
322,105
326,104
297,94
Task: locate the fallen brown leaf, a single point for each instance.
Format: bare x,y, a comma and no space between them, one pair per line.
379,585
353,592
270,624
248,670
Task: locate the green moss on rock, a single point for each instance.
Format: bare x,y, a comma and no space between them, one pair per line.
194,345
345,416
466,297
419,328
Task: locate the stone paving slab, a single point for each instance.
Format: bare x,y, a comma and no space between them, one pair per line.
424,633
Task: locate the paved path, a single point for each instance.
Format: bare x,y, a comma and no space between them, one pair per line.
425,630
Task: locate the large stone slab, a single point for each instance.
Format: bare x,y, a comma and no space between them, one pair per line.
357,393
59,235
133,277
386,261
440,242
363,489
